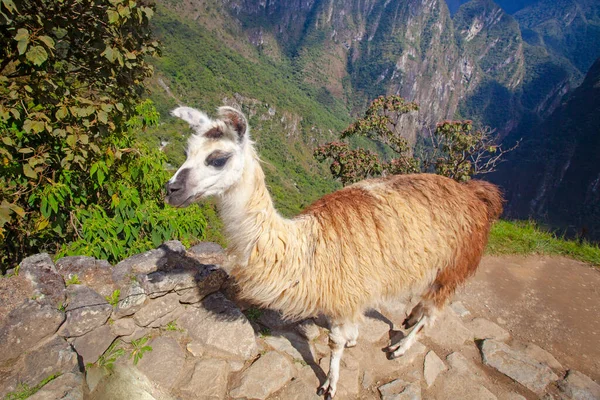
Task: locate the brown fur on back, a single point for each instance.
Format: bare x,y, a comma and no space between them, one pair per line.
377,239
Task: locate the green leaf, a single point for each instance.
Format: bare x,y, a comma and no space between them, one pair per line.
109,53
113,17
37,55
103,117
29,172
48,41
10,6
62,112
22,34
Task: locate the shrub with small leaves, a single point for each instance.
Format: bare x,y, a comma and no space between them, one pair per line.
71,81
456,150
73,280
113,298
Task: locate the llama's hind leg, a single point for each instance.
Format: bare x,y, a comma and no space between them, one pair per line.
341,336
427,318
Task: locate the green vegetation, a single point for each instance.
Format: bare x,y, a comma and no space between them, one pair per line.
113,298
172,327
73,280
139,348
457,151
110,356
525,237
24,391
253,313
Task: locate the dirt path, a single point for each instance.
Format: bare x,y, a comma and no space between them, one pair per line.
551,301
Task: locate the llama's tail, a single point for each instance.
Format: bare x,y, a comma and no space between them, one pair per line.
489,194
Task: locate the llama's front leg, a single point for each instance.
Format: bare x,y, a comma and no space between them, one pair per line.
341,335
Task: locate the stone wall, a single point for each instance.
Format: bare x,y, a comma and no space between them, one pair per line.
162,325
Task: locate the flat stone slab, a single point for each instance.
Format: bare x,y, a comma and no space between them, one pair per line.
579,386
485,329
208,381
91,345
292,344
266,376
517,365
449,332
400,390
86,310
131,300
52,358
432,367
96,274
220,326
164,363
65,387
155,309
536,352
373,329
25,327
457,386
48,285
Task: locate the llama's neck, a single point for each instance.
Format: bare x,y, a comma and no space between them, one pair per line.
247,211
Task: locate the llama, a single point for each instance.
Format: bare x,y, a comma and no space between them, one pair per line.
378,239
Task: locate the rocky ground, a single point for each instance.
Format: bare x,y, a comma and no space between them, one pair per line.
161,325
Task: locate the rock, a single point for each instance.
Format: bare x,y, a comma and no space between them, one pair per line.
368,379
52,358
168,318
449,332
395,311
459,309
373,329
484,329
130,301
164,363
517,365
137,333
86,310
273,320
209,380
293,345
298,389
266,376
456,386
91,345
511,396
538,353
235,366
147,262
400,390
348,385
195,348
25,327
159,283
408,359
432,367
14,290
308,329
48,285
123,327
126,383
155,309
579,387
95,274
220,327
65,387
94,375
207,280
208,253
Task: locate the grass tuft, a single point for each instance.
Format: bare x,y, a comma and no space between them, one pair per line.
525,237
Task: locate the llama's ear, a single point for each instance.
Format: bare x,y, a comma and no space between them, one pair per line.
190,115
235,119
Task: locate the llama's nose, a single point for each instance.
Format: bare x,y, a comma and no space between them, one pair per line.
173,187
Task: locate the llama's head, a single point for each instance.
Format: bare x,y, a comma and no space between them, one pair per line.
215,155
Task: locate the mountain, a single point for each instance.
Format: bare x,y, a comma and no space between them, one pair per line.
555,174
303,70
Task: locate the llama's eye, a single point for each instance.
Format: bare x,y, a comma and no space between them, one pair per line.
217,159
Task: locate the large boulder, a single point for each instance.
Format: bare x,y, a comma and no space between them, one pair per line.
577,386
131,299
65,387
86,310
156,309
25,327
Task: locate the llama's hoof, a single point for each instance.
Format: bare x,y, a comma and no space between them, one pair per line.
350,343
327,391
